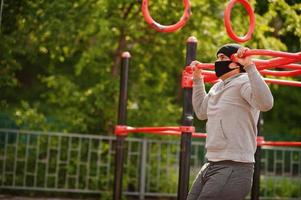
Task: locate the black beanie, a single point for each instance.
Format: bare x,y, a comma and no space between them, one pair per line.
228,49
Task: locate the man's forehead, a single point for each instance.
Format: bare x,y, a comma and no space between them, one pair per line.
221,54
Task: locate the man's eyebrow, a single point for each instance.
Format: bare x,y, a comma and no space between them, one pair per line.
221,55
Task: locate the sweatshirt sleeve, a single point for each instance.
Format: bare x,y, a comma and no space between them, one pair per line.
200,99
256,92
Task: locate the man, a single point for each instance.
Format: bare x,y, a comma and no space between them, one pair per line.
232,108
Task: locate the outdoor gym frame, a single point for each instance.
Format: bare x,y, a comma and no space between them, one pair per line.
187,130
282,60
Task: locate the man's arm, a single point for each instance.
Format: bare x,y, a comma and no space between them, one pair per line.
199,99
256,92
199,95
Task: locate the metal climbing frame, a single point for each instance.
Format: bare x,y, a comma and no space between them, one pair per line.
186,130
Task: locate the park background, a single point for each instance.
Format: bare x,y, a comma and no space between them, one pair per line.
60,60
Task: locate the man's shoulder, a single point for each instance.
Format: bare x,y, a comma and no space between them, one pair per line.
243,78
216,85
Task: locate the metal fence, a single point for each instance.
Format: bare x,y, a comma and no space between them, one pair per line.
78,163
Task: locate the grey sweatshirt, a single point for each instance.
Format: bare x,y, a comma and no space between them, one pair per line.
232,109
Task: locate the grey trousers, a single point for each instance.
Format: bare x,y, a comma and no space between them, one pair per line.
224,180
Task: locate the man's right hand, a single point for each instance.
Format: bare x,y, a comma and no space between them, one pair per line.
197,74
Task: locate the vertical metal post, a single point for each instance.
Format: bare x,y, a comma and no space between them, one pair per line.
256,177
187,120
1,11
119,154
143,168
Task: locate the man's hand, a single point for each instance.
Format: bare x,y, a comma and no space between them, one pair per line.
197,74
245,61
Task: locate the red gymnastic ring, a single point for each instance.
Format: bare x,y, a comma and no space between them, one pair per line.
169,28
227,20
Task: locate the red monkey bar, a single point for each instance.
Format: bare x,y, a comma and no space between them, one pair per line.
284,60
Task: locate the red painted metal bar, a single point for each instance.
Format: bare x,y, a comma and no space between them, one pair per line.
266,52
280,73
290,66
275,62
123,130
152,129
205,66
176,131
281,143
263,72
260,64
169,28
283,82
282,58
265,64
209,76
170,133
268,80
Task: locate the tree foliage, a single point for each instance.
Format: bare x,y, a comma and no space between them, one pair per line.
59,60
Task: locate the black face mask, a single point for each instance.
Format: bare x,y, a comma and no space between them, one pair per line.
222,67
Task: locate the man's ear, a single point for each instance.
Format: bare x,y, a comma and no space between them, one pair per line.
233,65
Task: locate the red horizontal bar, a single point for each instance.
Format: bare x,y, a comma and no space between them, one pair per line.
281,143
280,73
205,66
124,130
175,131
152,129
283,82
199,135
212,78
263,72
282,58
209,73
260,139
171,133
266,52
275,62
290,66
260,64
264,64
